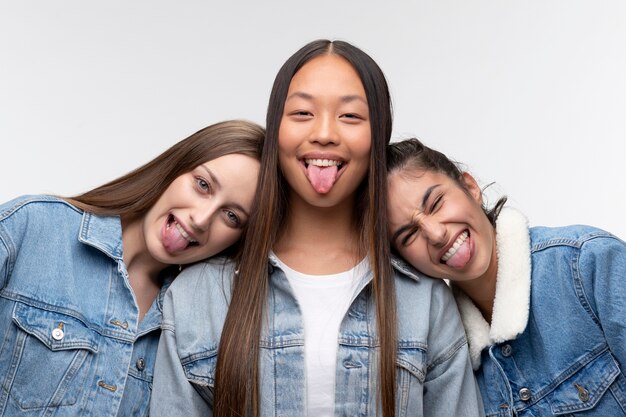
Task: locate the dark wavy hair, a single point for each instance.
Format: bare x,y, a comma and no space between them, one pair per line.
411,154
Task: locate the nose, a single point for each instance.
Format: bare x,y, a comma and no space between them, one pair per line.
434,231
325,130
202,216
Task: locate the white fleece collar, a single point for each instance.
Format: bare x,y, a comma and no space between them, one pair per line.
512,300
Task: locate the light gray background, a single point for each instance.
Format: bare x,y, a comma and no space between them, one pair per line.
530,94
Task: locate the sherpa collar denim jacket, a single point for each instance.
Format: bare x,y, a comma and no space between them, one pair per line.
434,372
70,341
556,345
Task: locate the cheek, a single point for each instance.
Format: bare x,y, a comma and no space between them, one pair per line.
222,237
415,256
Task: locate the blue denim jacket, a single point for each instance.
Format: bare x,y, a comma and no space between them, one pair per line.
70,340
434,372
556,345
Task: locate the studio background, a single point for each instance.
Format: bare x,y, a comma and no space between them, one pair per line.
529,94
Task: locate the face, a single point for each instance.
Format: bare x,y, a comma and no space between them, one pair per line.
203,211
439,227
325,137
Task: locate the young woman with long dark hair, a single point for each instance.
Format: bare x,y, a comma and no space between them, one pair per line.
312,320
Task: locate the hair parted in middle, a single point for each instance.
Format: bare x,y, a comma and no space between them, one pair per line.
236,386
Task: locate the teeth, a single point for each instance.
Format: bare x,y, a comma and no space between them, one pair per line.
457,244
183,233
322,162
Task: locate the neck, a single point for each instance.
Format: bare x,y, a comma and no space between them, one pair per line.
320,240
482,290
143,269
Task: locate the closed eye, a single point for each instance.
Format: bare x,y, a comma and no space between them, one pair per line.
437,203
409,236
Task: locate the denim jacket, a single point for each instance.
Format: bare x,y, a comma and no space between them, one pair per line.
434,372
70,340
556,345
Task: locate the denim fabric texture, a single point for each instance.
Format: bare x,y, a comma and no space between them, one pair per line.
434,372
70,340
569,355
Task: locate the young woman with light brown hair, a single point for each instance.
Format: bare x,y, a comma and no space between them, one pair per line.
82,278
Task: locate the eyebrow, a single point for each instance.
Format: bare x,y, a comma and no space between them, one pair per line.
408,226
344,99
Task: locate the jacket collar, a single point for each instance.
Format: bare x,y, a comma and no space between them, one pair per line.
403,267
512,299
103,233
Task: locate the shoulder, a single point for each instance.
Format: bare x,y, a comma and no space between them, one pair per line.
36,206
410,282
196,304
574,236
204,278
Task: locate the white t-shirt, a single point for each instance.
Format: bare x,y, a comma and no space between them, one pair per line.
324,301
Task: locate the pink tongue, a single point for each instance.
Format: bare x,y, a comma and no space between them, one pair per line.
173,241
461,257
322,178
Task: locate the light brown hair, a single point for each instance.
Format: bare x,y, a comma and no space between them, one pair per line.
133,194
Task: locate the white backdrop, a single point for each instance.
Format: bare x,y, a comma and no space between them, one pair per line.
530,94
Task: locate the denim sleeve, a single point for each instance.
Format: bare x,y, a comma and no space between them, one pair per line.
602,267
172,393
450,388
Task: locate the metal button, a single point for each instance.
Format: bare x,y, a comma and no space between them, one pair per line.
141,364
57,334
525,394
506,350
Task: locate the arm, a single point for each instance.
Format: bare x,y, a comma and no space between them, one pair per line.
172,393
602,267
450,388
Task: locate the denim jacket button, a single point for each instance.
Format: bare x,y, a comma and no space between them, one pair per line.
141,364
57,334
507,350
524,394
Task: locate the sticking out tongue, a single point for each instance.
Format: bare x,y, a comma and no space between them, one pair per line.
461,257
172,240
322,178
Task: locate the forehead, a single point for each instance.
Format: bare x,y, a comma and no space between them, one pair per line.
414,181
327,74
231,167
406,189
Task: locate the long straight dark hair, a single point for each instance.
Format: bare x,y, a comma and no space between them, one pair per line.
237,377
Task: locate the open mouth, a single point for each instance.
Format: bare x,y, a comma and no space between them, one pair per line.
455,247
171,222
323,163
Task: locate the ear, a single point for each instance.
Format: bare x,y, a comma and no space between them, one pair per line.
473,188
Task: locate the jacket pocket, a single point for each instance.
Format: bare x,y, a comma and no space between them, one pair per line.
200,371
584,390
50,357
411,373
